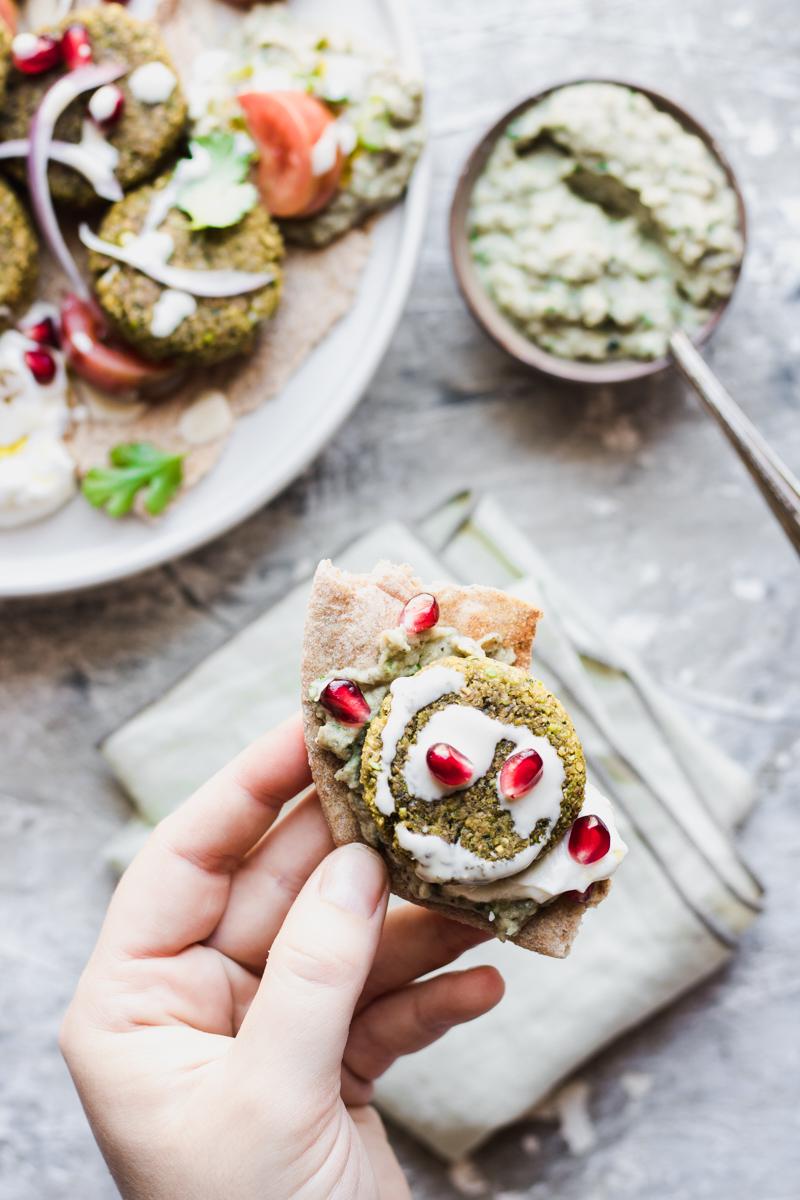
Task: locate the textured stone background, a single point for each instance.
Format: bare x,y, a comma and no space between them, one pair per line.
632,494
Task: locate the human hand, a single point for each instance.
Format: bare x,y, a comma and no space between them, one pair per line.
208,1075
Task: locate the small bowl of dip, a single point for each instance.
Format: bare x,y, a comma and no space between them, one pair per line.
597,233
592,221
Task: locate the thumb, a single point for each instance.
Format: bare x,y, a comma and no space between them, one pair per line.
299,1020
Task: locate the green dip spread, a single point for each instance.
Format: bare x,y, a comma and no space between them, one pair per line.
600,225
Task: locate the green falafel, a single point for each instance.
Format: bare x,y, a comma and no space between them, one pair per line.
475,817
18,255
144,134
218,328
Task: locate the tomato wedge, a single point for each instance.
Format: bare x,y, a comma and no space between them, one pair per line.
286,126
107,368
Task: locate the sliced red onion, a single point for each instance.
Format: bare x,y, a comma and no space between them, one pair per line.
216,284
55,100
71,154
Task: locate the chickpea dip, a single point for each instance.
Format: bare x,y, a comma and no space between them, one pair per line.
599,225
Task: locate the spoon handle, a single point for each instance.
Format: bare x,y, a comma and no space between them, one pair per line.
779,486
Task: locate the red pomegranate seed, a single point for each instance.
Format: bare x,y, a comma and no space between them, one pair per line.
41,365
45,332
448,765
580,897
35,53
589,840
106,105
345,702
520,773
420,612
76,46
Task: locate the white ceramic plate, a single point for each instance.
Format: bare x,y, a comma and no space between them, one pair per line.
79,547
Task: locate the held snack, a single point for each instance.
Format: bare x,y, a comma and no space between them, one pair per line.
429,740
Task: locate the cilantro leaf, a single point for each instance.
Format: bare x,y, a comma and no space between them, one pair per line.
134,465
214,191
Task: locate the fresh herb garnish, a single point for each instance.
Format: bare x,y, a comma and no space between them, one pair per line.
134,465
221,195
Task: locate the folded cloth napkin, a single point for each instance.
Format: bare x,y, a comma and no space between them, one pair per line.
677,907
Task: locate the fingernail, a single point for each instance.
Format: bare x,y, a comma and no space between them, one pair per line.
354,878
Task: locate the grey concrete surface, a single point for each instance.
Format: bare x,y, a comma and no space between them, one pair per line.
632,494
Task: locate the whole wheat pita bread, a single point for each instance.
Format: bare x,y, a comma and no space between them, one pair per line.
345,618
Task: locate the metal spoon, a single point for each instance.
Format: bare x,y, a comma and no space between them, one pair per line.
779,486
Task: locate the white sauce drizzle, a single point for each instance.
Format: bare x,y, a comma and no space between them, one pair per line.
103,103
171,308
476,735
558,872
324,150
37,475
409,695
438,861
149,248
152,83
98,147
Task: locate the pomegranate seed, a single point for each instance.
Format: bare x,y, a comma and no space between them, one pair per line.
35,53
345,701
520,773
41,365
420,612
45,332
448,765
76,46
580,897
106,104
589,840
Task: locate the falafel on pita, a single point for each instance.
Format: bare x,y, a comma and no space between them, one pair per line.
429,740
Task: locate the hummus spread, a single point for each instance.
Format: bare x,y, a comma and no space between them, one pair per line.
600,225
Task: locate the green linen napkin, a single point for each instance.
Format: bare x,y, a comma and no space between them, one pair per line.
677,907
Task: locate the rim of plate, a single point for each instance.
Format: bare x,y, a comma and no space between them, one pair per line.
414,208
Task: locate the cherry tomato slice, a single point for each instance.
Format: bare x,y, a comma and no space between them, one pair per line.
286,126
106,367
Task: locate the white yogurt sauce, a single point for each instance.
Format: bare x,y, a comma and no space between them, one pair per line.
438,861
324,150
148,249
171,308
339,135
558,872
476,735
103,103
37,475
410,693
152,83
97,147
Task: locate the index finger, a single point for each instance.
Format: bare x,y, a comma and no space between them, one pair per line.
176,889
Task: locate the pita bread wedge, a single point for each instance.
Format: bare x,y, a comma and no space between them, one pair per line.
347,614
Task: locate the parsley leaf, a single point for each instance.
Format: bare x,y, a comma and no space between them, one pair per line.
134,465
219,195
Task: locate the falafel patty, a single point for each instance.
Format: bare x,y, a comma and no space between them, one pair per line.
218,328
488,829
18,255
143,135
